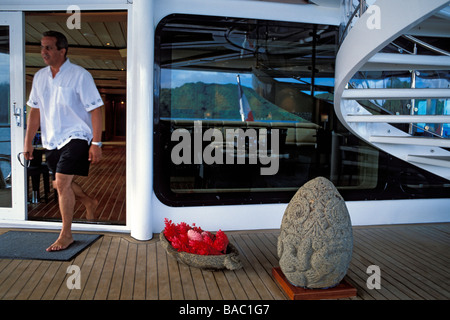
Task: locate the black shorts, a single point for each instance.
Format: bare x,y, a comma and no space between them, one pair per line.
72,159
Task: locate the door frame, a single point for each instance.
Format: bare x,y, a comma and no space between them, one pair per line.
15,21
19,219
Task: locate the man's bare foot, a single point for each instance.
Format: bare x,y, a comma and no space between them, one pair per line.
61,243
91,207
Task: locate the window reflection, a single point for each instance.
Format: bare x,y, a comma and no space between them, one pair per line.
5,132
286,73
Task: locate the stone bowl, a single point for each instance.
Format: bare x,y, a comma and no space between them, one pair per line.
230,260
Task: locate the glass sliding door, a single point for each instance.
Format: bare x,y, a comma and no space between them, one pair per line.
5,125
12,174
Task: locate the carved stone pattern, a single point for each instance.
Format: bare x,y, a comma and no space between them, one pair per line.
316,240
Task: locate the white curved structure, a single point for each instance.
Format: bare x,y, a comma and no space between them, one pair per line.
383,22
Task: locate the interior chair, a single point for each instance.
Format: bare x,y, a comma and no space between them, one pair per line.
34,171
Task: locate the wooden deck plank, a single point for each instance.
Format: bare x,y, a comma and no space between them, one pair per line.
251,273
405,267
163,274
63,291
176,289
201,290
86,269
371,256
413,260
223,285
105,190
127,288
211,285
152,273
8,266
433,262
118,272
45,281
262,267
236,287
94,276
108,269
11,286
431,248
357,272
55,283
187,283
140,281
33,281
100,184
247,284
266,283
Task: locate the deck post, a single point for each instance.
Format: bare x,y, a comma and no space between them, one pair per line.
140,120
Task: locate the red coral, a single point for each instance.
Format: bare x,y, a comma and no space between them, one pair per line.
193,239
221,241
170,230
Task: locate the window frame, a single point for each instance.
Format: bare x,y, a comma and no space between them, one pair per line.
386,165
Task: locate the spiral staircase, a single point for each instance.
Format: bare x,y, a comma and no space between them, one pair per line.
401,134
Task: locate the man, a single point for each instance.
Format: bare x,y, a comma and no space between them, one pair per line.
65,104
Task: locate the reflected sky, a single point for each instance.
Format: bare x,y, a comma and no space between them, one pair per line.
4,68
176,78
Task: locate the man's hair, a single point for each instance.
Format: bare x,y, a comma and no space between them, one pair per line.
61,40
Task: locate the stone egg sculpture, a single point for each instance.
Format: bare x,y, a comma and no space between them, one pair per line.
316,239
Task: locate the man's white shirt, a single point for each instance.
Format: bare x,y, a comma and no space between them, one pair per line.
64,103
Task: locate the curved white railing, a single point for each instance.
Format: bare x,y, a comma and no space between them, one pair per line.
382,23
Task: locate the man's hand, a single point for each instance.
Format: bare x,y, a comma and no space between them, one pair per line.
28,152
95,154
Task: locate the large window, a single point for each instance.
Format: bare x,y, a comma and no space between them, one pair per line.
244,114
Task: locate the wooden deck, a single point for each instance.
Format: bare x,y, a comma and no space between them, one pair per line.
413,260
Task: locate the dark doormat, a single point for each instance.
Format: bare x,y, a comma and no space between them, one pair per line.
32,245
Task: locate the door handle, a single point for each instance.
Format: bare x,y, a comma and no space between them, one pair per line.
17,112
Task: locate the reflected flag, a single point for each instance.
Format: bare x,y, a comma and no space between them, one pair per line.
244,106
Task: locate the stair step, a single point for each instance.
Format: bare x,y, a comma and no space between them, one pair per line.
397,61
440,161
398,118
397,94
412,140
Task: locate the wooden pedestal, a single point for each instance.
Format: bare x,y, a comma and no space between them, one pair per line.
342,290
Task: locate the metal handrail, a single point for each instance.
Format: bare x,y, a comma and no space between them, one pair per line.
374,104
348,25
361,9
426,45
